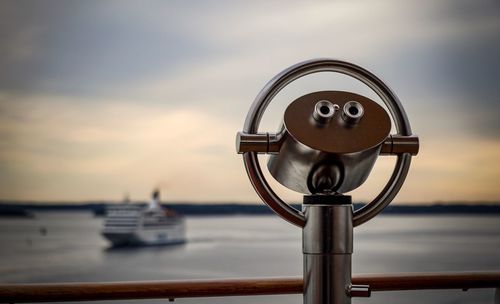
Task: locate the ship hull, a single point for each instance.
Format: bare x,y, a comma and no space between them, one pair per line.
131,226
135,239
146,237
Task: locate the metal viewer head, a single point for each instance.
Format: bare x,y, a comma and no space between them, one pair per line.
328,141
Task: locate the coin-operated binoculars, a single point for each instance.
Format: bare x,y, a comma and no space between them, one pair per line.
327,146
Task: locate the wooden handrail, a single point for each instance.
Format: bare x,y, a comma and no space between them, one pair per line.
21,293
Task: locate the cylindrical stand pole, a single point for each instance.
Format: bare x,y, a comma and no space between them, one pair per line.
327,247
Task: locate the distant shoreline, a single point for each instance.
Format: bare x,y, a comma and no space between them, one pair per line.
25,209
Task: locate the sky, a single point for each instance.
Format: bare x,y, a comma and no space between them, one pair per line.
99,99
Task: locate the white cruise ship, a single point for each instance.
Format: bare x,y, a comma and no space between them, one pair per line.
134,225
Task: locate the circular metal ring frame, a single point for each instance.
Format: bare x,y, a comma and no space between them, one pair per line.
287,76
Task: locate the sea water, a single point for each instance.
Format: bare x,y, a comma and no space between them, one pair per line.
67,247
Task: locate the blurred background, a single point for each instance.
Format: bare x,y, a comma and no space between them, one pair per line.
99,99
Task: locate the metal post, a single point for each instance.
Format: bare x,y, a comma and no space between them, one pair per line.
327,247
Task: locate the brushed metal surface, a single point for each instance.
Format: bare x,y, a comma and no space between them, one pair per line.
328,229
287,76
327,243
334,156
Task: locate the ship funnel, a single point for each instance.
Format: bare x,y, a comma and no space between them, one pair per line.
154,203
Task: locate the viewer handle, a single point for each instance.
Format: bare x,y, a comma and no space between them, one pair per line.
399,144
260,142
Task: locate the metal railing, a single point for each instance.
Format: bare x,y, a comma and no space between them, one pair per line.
60,292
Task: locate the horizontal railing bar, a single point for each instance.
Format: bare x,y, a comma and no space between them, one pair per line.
420,281
22,293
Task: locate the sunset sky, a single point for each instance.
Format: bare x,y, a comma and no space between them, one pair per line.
103,98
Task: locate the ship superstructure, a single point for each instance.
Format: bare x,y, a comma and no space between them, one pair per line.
135,225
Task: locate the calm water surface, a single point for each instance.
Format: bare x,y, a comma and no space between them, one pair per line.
246,246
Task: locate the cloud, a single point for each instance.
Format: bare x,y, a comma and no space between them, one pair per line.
98,98
87,48
64,149
86,150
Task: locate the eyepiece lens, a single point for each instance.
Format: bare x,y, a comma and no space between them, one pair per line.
353,110
324,110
